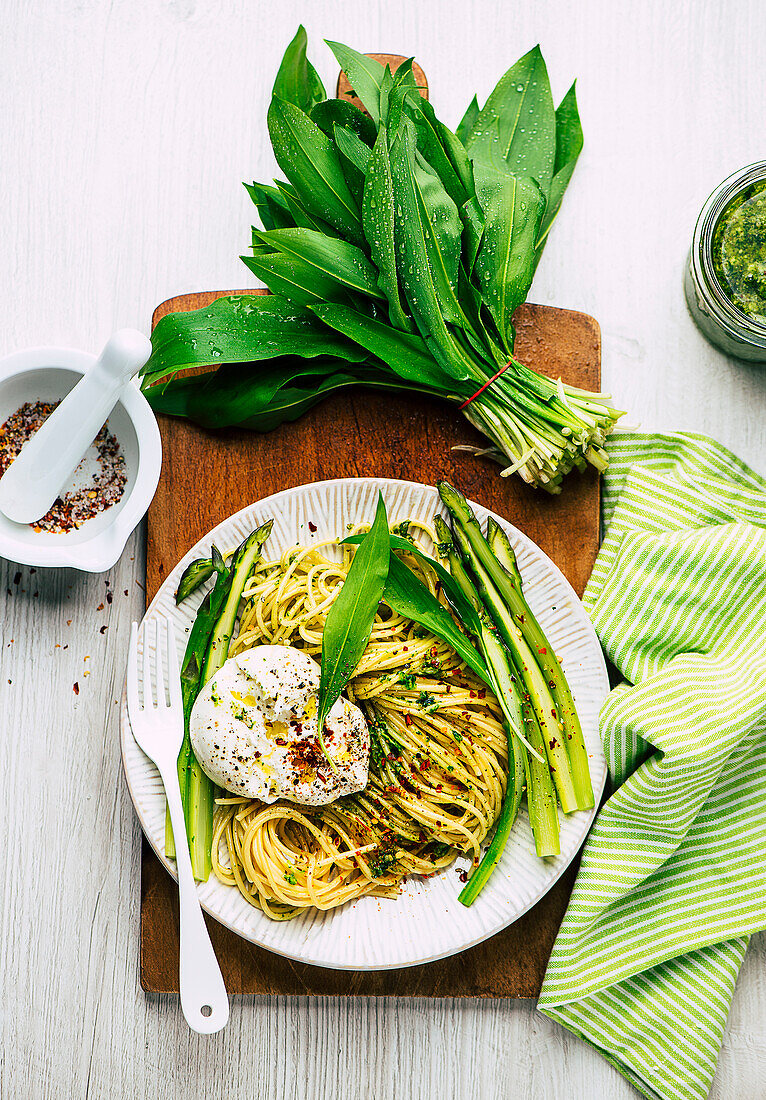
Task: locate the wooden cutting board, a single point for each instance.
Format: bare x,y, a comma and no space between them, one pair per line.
206,476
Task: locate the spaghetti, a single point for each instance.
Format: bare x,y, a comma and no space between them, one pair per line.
438,761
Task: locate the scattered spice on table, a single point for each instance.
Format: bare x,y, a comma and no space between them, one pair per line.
71,510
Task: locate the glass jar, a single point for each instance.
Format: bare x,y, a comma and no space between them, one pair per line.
717,317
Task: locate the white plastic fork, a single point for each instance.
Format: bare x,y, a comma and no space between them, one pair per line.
158,727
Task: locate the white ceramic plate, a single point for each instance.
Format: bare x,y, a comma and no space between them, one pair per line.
426,922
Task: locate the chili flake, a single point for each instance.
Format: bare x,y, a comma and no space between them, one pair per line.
73,508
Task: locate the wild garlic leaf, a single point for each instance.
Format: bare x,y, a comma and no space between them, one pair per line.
329,257
569,143
378,225
466,123
237,393
270,203
408,596
404,75
293,278
354,158
310,161
464,610
442,150
386,86
297,80
352,148
291,402
365,75
518,122
339,112
513,207
442,232
415,240
241,328
298,212
350,620
405,353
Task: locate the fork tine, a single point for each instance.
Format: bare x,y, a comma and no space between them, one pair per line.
161,631
146,685
174,673
133,702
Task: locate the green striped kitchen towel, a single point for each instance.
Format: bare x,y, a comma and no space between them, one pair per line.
673,876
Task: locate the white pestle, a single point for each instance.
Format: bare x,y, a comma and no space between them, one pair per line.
46,462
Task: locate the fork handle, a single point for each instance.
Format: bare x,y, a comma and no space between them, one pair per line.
204,1000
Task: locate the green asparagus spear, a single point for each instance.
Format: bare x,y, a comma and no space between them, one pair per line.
242,565
200,790
527,625
541,804
499,669
529,673
191,670
502,549
195,574
578,754
525,771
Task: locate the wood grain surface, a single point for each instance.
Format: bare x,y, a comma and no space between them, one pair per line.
206,476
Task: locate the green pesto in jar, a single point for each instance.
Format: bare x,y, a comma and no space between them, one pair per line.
739,251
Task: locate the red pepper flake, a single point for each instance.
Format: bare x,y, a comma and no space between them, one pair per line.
473,695
461,874
109,597
125,592
543,651
69,622
408,719
71,510
100,607
76,688
312,527
483,693
17,577
102,630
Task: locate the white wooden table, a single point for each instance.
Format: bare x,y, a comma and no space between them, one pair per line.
127,128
